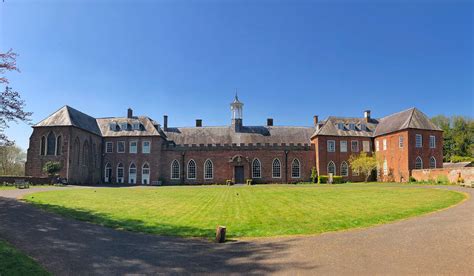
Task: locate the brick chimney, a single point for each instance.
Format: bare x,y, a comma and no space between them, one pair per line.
315,120
165,122
367,115
198,123
270,122
129,113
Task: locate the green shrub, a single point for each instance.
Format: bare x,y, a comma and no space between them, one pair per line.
314,175
412,179
457,159
442,179
325,178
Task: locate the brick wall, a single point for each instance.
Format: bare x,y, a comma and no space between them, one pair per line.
467,173
396,156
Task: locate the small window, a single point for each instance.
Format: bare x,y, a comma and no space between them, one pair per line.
133,147
366,146
146,147
432,162
352,126
384,144
136,126
363,127
113,126
175,169
208,170
191,169
331,168
400,141
340,126
432,141
343,145
331,146
124,126
385,167
418,141
377,146
109,147
295,168
276,168
256,169
344,169
355,146
120,146
418,163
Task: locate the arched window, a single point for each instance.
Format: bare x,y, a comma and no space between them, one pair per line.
43,146
418,163
132,173
146,174
191,169
295,168
432,162
77,150
208,169
85,154
344,169
120,173
175,169
276,168
385,167
51,144
108,173
331,168
256,169
58,145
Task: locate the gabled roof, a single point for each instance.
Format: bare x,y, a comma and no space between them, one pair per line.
68,116
410,118
329,127
148,126
247,135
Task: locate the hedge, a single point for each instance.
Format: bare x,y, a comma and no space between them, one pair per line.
324,179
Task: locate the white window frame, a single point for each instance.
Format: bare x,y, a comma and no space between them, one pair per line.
120,179
136,126
421,162
299,168
377,146
122,126
357,143
134,174
333,142
432,142
418,142
273,168
121,142
149,146
352,126
340,126
189,176
432,158
172,172
334,165
343,146
107,147
366,146
401,141
384,144
256,173
130,147
206,175
344,164
143,174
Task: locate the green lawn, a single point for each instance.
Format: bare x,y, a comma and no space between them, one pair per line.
249,211
13,262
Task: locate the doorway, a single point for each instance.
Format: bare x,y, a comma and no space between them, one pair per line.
239,174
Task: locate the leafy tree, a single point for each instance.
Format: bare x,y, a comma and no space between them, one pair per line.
314,174
11,104
52,168
363,164
458,135
12,160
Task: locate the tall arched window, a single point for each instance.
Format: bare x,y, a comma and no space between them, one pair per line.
85,153
432,162
418,163
120,173
344,169
59,145
43,146
208,169
331,168
385,167
132,174
256,169
146,174
191,169
276,168
295,168
108,173
51,144
175,169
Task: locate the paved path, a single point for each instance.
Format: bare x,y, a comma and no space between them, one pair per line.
438,243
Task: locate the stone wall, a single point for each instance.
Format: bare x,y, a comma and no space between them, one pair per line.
467,173
31,179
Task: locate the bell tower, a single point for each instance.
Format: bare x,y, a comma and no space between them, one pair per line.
236,110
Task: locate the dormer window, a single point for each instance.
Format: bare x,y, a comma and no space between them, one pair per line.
363,127
124,126
352,126
340,126
113,126
136,126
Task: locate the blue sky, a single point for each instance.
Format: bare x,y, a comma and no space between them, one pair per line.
289,60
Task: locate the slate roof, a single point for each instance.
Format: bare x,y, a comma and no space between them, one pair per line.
68,116
247,135
329,127
410,118
148,127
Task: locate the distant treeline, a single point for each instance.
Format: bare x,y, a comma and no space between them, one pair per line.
12,160
458,137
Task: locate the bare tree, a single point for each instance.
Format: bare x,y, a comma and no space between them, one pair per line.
11,104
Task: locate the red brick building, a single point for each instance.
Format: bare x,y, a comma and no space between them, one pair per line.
139,150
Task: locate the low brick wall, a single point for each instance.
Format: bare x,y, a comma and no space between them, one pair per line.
467,173
30,179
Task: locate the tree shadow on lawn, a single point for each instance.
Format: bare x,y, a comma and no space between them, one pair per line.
66,246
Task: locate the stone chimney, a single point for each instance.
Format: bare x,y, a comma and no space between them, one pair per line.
270,122
165,122
367,115
129,113
315,120
198,123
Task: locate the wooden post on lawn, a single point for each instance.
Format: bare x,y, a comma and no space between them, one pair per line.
220,234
